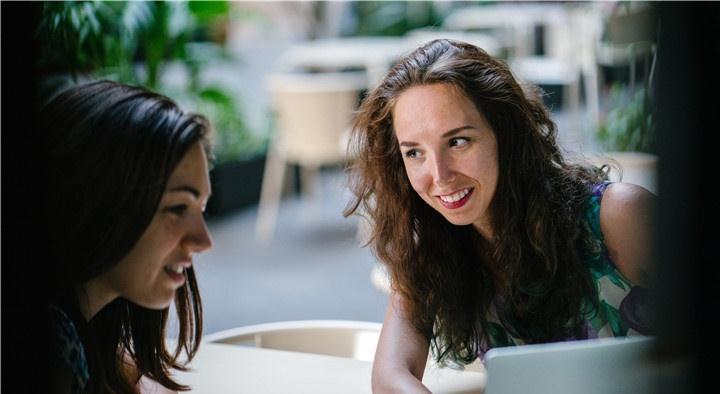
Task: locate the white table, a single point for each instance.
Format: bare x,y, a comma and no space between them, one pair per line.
375,55
219,369
344,51
516,19
487,42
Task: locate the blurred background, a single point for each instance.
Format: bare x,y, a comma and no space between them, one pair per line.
280,82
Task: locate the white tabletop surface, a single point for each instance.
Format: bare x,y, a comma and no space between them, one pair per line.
505,14
219,368
345,52
373,54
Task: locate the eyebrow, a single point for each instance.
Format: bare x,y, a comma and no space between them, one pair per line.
448,133
189,189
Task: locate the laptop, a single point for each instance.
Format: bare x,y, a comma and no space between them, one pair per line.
606,365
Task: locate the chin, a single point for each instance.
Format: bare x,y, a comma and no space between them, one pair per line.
157,304
166,304
458,221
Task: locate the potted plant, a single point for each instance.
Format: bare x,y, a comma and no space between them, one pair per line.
626,134
133,42
240,155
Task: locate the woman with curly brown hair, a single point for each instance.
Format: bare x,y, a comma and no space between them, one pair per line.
490,236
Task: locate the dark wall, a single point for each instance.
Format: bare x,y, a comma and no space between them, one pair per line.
688,122
23,354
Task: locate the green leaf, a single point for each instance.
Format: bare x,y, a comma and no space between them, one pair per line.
612,316
618,280
216,95
628,124
206,11
91,18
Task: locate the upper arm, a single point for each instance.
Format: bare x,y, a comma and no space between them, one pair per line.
626,214
401,347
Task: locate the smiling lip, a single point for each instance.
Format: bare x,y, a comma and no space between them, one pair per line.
459,203
177,277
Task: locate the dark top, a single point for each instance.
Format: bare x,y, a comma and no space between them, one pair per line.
68,351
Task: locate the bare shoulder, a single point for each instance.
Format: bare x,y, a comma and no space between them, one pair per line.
625,198
626,214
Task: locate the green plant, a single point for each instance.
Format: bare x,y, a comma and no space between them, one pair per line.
111,39
105,39
629,124
392,18
232,140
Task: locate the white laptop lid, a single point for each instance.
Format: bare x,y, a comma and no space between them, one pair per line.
607,365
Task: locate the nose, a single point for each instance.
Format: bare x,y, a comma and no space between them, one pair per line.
442,170
199,240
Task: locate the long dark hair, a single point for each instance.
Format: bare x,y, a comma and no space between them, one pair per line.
111,149
441,270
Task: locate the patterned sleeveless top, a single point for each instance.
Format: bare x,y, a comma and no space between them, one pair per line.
623,308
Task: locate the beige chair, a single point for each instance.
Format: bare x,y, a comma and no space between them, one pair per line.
314,113
340,338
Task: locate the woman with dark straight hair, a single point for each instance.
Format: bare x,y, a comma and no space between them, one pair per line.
490,236
128,184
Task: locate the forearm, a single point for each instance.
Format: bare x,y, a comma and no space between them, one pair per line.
396,380
401,353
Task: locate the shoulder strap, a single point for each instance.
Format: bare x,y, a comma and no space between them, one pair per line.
592,213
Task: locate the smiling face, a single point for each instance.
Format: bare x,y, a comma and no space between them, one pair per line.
155,266
450,153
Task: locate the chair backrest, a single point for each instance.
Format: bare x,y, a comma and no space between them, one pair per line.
314,113
340,338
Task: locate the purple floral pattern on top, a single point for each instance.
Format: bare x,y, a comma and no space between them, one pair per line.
599,189
636,310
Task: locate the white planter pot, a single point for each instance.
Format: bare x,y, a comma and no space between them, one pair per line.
637,167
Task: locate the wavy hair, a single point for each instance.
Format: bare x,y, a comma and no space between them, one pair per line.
111,149
442,270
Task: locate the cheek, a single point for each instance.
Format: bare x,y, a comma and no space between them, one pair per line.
418,179
488,174
484,166
171,227
159,238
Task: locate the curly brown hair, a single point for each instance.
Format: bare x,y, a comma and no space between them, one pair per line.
442,270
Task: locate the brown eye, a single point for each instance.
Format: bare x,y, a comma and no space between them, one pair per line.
411,154
459,141
177,209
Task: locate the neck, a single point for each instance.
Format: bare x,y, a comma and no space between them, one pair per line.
92,296
486,232
486,245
